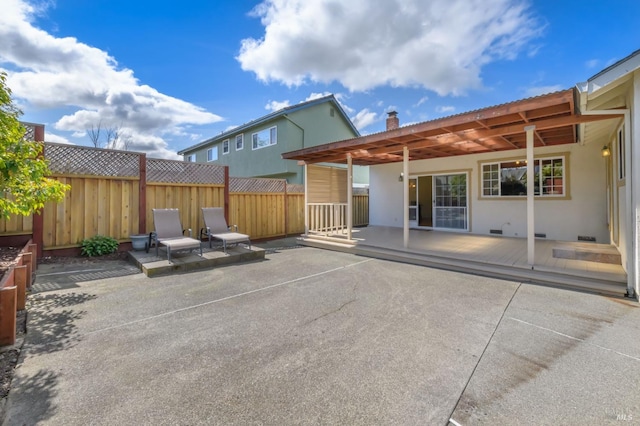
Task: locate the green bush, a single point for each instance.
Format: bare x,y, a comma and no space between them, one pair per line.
98,246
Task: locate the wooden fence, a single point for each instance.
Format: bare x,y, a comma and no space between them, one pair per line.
113,194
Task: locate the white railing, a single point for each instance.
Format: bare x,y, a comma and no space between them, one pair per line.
327,218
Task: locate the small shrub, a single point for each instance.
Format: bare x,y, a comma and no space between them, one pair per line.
98,246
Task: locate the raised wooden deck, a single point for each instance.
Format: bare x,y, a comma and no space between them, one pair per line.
498,256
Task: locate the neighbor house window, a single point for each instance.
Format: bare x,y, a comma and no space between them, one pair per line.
509,178
225,146
264,138
212,154
239,142
190,158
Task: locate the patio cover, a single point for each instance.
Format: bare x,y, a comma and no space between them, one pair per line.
491,129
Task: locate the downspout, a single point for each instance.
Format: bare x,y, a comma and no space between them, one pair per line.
296,124
302,131
632,250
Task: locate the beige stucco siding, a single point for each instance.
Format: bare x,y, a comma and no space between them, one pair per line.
583,212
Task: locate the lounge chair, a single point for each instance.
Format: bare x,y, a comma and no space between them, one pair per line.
169,233
216,228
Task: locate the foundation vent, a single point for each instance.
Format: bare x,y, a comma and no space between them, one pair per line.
495,231
586,238
541,235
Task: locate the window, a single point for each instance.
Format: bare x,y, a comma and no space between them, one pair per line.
190,158
509,178
622,172
212,154
264,138
239,142
225,146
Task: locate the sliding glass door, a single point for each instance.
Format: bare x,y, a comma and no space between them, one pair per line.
450,204
438,201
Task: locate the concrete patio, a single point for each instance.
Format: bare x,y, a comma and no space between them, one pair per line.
313,336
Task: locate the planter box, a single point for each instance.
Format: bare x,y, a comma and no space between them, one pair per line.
13,292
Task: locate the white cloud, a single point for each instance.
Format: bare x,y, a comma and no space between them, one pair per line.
421,101
391,108
409,123
541,90
339,97
592,63
276,105
52,72
51,137
445,109
439,45
314,96
364,118
230,128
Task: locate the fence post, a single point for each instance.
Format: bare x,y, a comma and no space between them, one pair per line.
37,228
142,198
286,210
226,193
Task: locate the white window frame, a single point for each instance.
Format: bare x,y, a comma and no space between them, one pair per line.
225,147
622,167
210,152
541,184
272,133
191,158
240,138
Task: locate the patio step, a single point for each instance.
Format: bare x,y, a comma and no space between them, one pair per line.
337,241
593,282
599,253
539,275
153,266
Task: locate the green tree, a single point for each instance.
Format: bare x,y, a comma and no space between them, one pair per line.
24,185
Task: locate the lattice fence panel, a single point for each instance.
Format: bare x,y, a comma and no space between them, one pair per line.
82,160
172,171
30,132
256,185
295,188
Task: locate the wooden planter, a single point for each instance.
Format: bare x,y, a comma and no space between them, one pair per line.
13,292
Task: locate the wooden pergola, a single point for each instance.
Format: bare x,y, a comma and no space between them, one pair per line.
492,129
545,120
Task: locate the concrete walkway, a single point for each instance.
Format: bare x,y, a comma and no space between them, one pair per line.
311,336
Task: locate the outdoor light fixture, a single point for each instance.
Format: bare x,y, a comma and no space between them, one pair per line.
606,151
401,177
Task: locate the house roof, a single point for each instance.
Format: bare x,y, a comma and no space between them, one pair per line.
279,113
491,129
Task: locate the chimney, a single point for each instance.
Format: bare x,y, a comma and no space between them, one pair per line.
392,120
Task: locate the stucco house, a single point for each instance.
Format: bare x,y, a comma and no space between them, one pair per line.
557,168
255,149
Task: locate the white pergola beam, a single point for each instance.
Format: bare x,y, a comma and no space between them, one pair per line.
405,187
531,175
349,196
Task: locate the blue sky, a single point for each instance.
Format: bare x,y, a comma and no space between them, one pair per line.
169,75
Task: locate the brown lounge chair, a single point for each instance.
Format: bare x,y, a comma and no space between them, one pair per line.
169,233
216,228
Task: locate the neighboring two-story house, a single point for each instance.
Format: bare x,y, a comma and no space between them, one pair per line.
254,149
